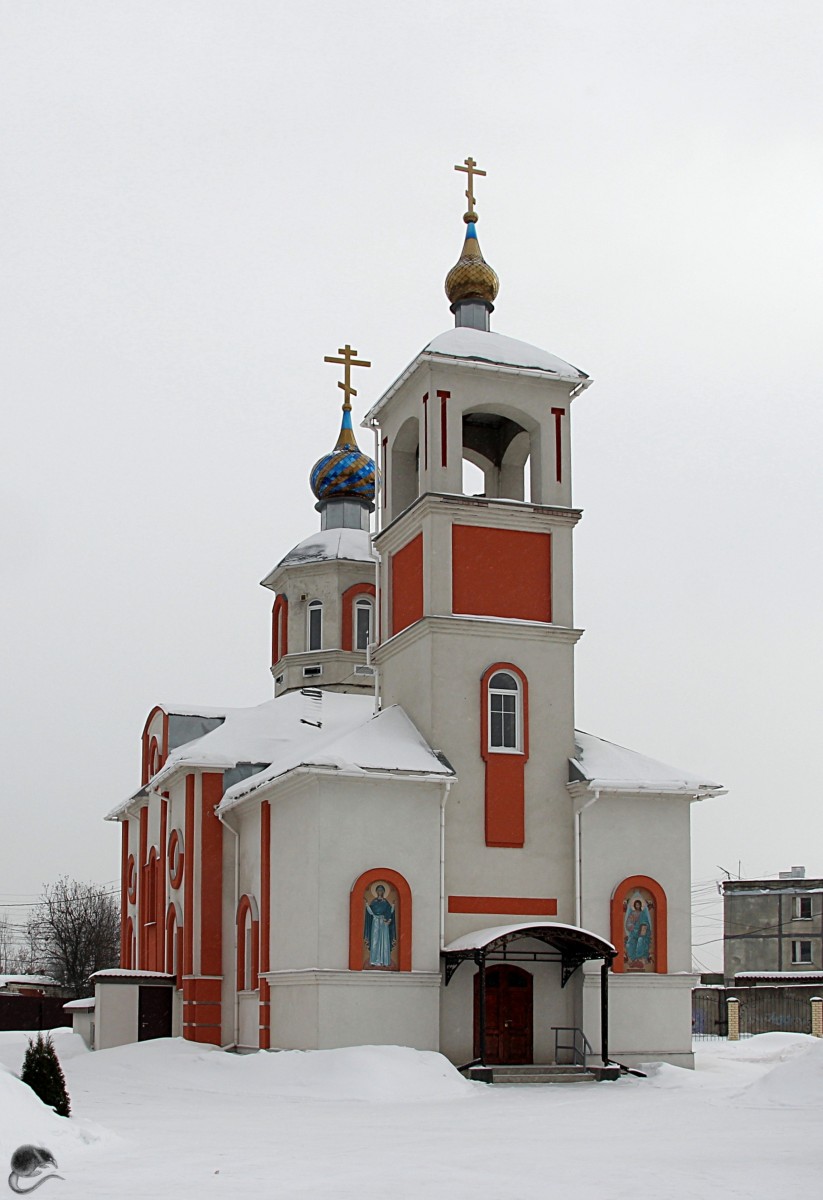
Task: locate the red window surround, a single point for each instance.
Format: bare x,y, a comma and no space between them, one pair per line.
279,628
505,769
349,597
404,917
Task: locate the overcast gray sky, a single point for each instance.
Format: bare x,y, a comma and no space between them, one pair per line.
200,200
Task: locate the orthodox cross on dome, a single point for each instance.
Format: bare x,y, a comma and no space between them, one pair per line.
471,169
348,361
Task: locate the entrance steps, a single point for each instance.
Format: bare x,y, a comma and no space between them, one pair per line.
551,1073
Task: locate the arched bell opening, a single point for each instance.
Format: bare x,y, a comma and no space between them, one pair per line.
404,475
505,449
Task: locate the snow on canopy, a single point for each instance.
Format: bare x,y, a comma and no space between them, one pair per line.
607,766
7,981
482,937
484,346
353,545
304,728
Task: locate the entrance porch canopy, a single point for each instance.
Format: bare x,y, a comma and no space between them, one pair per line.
566,944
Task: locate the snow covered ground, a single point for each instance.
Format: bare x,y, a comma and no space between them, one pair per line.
168,1118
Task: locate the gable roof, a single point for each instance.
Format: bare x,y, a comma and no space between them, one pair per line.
308,728
605,766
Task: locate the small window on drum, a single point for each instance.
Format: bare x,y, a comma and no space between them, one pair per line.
505,713
362,624
315,625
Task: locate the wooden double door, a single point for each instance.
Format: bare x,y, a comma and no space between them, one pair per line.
509,1015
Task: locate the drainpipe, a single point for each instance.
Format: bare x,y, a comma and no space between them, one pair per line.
223,818
578,858
378,598
446,789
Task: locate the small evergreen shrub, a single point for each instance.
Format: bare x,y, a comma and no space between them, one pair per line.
44,1075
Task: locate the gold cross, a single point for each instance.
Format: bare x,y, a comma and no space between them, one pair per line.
348,361
471,169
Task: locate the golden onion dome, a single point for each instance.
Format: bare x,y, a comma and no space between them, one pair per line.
471,277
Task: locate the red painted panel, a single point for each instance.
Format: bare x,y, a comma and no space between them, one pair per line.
188,881
407,584
124,892
211,876
505,800
501,573
528,906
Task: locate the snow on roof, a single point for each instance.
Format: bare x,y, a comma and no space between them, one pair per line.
29,981
481,937
607,766
778,974
349,738
79,1005
304,728
491,349
483,346
125,973
353,545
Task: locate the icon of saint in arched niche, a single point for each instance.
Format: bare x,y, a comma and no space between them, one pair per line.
380,927
638,930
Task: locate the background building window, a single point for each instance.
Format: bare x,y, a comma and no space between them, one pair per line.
801,952
315,625
803,908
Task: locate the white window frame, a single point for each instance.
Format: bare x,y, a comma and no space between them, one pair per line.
797,952
314,606
362,602
517,692
799,902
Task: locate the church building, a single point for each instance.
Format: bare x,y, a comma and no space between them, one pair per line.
410,843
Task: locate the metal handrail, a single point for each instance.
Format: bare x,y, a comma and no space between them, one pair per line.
579,1053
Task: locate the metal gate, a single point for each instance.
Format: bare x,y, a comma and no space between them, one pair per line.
772,1010
709,1013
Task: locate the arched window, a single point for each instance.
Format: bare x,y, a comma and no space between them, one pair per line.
131,880
505,713
380,922
363,617
154,758
128,945
174,943
248,945
314,625
279,629
639,926
504,746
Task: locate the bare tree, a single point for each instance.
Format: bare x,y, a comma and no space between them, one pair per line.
73,931
13,955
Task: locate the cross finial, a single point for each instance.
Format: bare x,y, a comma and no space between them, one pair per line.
348,361
471,169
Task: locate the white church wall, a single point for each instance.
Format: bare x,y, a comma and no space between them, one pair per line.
318,1010
248,1020
295,878
390,823
625,835
650,1017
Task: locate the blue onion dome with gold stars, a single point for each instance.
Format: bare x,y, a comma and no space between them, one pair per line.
347,473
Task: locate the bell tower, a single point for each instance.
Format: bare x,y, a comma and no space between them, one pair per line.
476,623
